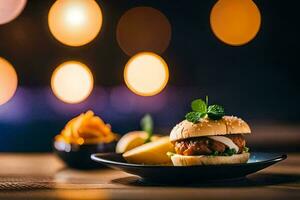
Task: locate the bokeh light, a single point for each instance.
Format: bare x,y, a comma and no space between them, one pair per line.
146,74
75,22
8,81
10,9
235,22
143,29
72,82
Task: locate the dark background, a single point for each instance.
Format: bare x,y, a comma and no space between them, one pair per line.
258,81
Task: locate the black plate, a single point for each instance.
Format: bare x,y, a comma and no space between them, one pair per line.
176,174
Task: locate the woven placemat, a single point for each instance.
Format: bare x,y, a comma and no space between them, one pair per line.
26,183
12,183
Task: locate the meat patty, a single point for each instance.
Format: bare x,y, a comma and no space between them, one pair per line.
206,146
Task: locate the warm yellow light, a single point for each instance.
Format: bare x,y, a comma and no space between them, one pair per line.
8,81
75,22
235,22
146,74
72,82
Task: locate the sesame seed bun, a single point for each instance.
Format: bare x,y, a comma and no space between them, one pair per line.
180,160
209,127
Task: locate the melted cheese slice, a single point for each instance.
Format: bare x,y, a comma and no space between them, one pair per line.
225,140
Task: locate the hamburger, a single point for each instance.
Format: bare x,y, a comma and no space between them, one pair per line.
210,141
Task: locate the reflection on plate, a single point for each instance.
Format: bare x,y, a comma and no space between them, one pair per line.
190,174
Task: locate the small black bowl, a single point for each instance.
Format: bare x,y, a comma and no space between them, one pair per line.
79,156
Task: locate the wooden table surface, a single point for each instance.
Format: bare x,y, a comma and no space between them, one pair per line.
43,176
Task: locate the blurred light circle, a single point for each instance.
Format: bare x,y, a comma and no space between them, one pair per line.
72,82
75,22
143,29
8,81
235,22
10,9
146,74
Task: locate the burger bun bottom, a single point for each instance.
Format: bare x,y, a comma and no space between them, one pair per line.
180,160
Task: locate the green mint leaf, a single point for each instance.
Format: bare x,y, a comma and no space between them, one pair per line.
200,109
215,112
194,116
147,126
199,105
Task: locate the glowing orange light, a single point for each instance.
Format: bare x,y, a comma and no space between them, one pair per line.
146,74
8,81
72,82
235,22
11,9
75,22
143,29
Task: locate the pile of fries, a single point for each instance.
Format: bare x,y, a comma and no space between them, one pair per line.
87,129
